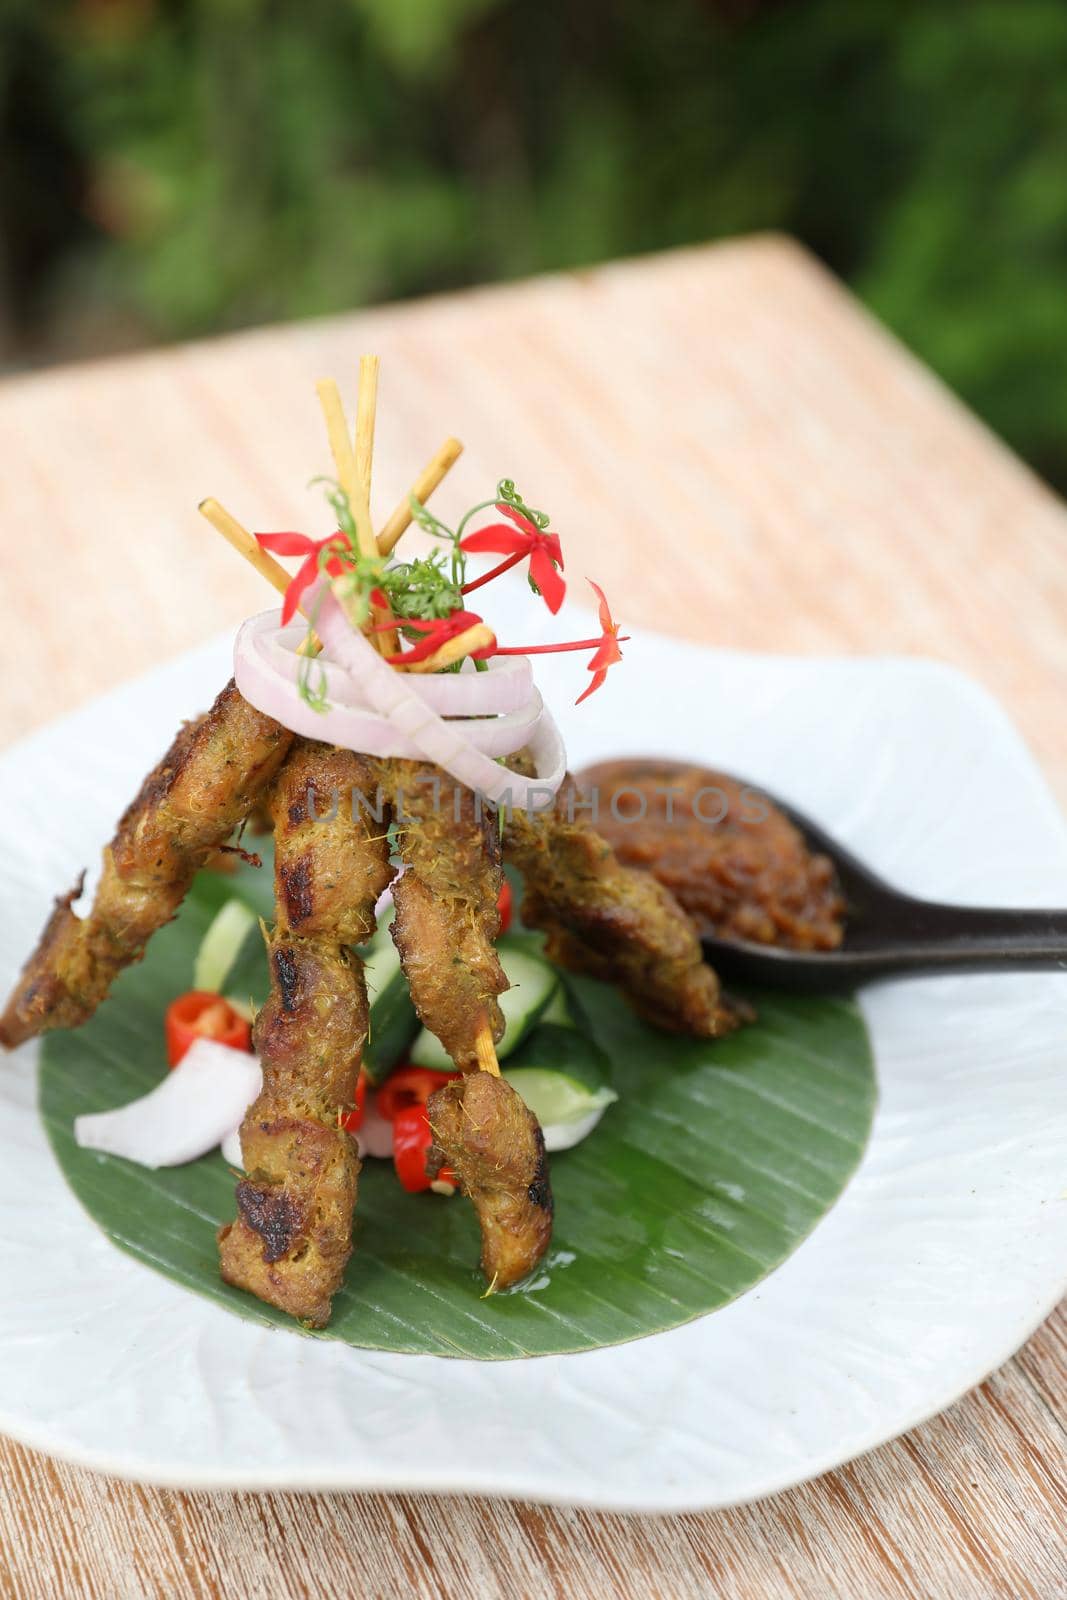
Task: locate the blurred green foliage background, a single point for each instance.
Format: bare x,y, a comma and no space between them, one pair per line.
175,167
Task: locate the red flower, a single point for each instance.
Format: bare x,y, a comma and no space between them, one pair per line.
524,539
606,648
607,652
298,544
435,633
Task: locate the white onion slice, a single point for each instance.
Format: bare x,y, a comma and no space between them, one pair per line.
374,1135
447,744
197,1104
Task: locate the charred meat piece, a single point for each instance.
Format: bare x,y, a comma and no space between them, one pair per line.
495,1146
613,922
730,858
189,804
292,1236
446,906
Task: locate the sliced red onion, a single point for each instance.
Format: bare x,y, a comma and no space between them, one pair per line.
189,1113
360,727
447,744
378,711
505,685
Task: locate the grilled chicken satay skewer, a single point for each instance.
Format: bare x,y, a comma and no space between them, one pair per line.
292,1237
190,803
447,920
290,1242
445,929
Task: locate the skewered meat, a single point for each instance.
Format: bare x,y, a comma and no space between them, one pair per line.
494,1144
446,906
188,805
447,920
292,1236
613,922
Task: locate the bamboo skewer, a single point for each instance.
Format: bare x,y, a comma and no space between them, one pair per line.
431,476
486,1049
353,484
353,464
366,407
344,459
423,487
243,542
264,563
385,637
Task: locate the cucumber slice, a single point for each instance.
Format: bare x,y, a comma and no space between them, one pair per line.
392,1015
221,945
559,1010
534,982
563,1078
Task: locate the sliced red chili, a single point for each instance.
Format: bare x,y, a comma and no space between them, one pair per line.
409,1086
202,1014
412,1139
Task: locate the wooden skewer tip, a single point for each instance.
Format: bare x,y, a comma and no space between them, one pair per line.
486,1049
432,474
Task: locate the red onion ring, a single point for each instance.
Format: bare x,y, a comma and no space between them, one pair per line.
366,713
447,744
506,685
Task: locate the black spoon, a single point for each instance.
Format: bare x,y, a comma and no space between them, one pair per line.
890,935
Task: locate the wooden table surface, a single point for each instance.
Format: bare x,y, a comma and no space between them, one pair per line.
754,464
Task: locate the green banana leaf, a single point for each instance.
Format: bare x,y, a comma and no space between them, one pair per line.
717,1160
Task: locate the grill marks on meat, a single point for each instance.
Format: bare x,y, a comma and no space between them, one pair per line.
189,804
492,1141
613,922
446,906
291,1239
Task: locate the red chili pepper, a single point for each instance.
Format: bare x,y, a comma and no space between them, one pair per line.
352,1121
503,906
409,1086
202,1014
412,1139
524,539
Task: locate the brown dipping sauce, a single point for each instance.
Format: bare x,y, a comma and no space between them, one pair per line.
737,865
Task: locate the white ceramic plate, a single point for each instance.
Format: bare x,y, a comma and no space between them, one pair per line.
945,1251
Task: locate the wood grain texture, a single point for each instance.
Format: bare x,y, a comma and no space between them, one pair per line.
810,488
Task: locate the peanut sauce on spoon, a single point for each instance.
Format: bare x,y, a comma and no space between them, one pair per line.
735,863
